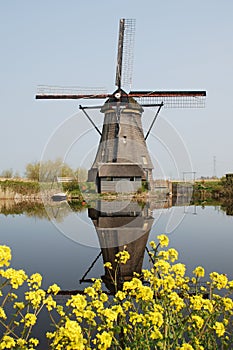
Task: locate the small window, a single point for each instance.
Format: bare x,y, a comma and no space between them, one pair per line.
144,160
124,139
106,178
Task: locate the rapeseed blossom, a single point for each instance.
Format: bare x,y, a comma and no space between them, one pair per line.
163,240
219,328
53,289
15,277
19,305
36,297
104,340
108,265
157,308
176,301
198,321
199,271
35,281
50,303
153,245
29,319
156,334
7,342
228,303
122,257
5,255
2,313
179,269
186,346
219,280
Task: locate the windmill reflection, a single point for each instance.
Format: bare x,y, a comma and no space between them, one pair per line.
119,227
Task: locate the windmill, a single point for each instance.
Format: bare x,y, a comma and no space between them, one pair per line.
122,160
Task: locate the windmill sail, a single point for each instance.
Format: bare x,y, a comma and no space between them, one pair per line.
124,68
171,99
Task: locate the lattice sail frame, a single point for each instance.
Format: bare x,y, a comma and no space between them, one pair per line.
172,99
169,99
54,90
128,50
124,66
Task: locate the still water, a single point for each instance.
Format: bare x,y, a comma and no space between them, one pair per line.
65,247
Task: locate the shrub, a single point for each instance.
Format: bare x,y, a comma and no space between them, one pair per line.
160,309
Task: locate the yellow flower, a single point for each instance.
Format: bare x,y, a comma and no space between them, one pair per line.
162,266
7,342
118,309
29,319
155,317
132,285
90,291
70,333
60,310
196,302
13,296
147,274
228,303
198,321
173,254
21,342
219,329
36,297
108,265
77,301
163,240
137,318
156,334
89,316
50,335
208,305
104,340
186,346
97,304
179,269
230,284
103,297
163,254
34,341
199,271
15,277
126,305
19,305
35,280
5,255
153,245
110,314
50,303
54,289
176,301
122,257
2,313
97,284
219,280
144,293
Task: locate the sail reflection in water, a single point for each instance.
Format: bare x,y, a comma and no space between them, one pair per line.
121,227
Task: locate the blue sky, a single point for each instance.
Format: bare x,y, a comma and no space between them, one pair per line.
179,45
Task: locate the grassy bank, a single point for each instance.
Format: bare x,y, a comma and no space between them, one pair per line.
221,189
20,187
10,188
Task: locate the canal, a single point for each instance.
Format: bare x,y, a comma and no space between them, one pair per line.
69,247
